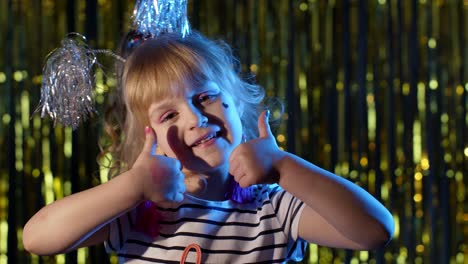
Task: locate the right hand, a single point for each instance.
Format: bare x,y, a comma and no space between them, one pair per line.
161,177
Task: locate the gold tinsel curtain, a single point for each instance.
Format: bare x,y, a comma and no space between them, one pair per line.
375,91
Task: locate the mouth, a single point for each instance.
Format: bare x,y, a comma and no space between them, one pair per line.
210,137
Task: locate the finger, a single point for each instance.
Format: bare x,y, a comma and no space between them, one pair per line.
244,181
236,168
237,173
180,186
179,191
150,140
240,174
179,197
233,167
263,125
236,152
172,196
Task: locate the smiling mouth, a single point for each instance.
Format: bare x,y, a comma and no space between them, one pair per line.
207,138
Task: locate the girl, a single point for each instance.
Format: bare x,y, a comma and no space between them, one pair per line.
205,172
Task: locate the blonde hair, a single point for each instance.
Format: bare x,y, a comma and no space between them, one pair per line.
165,66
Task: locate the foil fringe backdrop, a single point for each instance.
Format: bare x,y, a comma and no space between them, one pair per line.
392,120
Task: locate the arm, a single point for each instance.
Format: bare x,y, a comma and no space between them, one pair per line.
81,219
64,224
337,212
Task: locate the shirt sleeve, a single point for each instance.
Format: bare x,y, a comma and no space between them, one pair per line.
288,210
118,231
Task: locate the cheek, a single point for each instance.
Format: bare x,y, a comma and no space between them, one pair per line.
165,150
232,114
161,142
235,124
170,143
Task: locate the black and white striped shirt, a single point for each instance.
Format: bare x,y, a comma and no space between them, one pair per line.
263,231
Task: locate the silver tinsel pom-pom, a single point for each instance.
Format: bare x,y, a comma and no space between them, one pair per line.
67,93
153,17
68,82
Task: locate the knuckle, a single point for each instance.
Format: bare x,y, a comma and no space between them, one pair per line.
169,196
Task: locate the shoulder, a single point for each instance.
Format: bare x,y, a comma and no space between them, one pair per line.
283,203
269,191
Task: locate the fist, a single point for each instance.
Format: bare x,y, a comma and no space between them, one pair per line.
160,177
253,162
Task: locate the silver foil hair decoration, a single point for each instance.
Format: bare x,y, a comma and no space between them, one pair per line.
68,82
153,17
68,75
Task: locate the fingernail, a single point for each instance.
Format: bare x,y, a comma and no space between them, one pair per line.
147,130
267,113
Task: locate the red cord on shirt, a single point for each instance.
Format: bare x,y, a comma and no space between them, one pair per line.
187,250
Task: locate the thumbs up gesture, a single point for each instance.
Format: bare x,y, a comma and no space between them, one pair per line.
253,162
160,177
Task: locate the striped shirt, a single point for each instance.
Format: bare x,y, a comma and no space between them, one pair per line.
262,231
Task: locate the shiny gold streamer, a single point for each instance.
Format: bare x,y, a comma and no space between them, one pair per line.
381,101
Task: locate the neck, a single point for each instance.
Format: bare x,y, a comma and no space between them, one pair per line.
211,186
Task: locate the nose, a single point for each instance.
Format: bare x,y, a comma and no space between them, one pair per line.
196,118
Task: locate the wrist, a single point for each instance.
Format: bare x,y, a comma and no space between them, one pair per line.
279,164
135,182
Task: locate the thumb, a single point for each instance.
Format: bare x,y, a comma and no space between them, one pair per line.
263,125
150,140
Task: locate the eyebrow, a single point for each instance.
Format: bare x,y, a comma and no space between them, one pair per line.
160,106
197,90
206,88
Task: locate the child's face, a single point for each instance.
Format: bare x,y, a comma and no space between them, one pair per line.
200,127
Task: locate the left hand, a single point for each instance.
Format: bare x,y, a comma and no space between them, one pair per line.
253,162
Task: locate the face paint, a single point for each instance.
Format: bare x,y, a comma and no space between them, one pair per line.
225,105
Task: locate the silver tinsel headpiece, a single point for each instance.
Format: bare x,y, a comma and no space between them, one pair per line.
68,82
153,17
68,76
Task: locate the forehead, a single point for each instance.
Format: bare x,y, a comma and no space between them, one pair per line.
186,91
155,71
